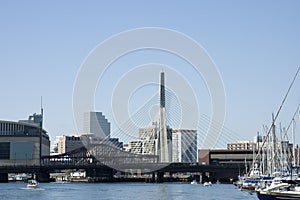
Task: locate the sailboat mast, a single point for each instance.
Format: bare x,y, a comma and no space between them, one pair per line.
262,151
293,135
281,147
280,107
274,144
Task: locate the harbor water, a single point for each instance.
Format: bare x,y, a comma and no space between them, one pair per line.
113,191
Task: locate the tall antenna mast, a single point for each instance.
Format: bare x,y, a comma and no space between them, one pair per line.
42,112
41,130
293,136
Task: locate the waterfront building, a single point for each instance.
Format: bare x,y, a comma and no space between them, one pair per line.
225,157
242,145
23,142
247,145
95,122
184,146
68,143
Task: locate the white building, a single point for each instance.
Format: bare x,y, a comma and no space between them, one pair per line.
135,146
184,146
148,141
146,144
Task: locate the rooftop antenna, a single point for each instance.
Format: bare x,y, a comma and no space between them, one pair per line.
42,112
41,130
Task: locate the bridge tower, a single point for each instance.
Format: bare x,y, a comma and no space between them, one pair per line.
163,142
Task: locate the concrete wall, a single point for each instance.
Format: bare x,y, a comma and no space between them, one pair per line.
24,150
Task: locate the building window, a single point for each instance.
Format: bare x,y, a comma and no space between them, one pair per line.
4,150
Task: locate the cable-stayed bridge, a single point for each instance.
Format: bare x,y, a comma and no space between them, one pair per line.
103,159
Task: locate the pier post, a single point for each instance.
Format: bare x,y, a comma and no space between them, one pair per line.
3,177
160,177
153,177
200,178
43,177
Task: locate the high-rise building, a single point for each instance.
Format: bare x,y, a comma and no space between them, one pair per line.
184,146
95,122
97,132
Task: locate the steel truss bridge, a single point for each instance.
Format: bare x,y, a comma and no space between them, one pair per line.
98,155
105,158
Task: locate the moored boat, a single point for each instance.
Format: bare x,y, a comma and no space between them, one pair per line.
288,195
250,184
282,191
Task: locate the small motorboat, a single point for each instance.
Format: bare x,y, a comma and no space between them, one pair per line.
207,184
32,184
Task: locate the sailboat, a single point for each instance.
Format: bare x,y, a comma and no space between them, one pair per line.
282,187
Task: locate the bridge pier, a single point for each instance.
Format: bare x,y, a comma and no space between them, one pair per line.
3,177
43,177
205,176
159,177
153,177
100,175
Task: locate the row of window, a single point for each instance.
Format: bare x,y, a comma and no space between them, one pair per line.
7,128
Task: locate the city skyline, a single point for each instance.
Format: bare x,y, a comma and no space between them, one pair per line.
255,53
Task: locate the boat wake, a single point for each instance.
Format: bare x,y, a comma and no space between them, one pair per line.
32,189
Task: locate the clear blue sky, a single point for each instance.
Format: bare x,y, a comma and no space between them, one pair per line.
255,45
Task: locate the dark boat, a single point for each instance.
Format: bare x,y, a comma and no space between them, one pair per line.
287,195
284,192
